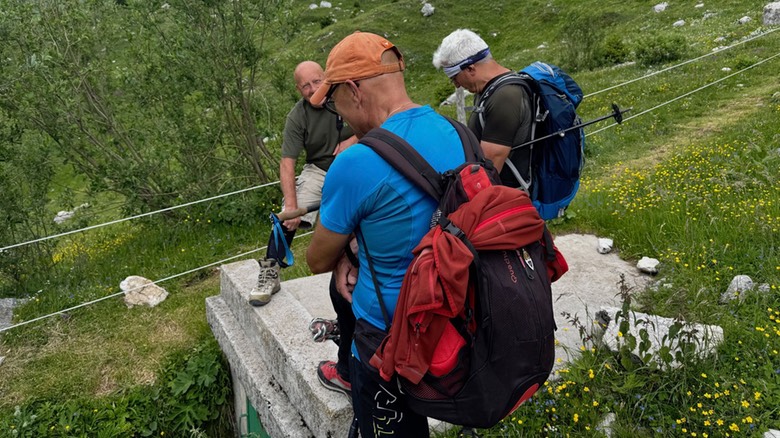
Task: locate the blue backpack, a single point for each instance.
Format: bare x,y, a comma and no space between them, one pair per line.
554,170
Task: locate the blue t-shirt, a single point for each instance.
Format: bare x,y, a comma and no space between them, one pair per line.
362,190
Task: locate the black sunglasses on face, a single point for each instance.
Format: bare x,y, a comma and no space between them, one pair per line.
329,104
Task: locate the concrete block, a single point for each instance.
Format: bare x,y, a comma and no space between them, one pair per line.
278,415
279,333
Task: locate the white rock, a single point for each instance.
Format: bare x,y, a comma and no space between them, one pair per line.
165,6
704,338
63,216
678,23
660,7
737,288
452,99
605,245
605,426
700,5
708,15
142,291
324,4
648,265
2,359
726,69
427,10
744,20
313,6
772,14
772,433
541,46
764,288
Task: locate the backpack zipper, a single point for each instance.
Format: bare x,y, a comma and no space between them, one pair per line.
502,215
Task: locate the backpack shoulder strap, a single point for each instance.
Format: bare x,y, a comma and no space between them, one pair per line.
520,79
405,159
472,151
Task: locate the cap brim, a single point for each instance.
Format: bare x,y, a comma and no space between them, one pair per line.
318,98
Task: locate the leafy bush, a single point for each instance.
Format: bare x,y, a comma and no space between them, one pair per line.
659,49
613,50
193,394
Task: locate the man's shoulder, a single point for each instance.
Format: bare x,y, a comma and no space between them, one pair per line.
297,109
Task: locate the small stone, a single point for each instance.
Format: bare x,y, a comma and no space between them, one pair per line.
541,46
142,291
764,288
700,5
648,265
719,39
2,359
679,23
63,216
744,20
708,15
660,7
605,426
772,14
605,245
737,288
427,10
726,69
772,433
313,6
324,4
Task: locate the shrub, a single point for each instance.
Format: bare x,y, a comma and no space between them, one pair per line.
660,49
193,393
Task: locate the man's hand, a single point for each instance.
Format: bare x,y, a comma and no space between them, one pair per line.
292,224
346,277
344,145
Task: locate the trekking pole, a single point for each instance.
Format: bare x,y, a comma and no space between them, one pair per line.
298,212
616,113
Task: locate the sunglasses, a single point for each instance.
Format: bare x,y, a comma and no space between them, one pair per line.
330,104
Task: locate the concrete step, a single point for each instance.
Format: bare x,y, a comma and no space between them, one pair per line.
277,334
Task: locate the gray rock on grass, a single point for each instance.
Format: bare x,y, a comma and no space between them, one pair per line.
648,265
605,245
772,14
739,285
142,291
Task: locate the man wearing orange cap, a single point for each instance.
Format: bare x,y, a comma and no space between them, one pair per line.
365,196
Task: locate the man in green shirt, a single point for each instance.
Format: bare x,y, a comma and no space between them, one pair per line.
506,116
321,135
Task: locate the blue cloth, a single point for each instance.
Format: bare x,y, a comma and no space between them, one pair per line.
361,189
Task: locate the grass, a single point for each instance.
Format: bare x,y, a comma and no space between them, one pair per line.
693,184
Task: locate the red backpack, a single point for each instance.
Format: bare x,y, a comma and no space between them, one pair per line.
472,336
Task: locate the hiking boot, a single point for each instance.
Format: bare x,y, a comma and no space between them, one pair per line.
329,377
267,283
324,329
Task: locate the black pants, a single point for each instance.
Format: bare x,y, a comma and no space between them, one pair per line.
346,320
380,408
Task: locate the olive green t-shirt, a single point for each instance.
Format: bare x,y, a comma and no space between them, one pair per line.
507,115
313,130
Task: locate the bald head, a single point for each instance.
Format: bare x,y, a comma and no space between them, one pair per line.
308,77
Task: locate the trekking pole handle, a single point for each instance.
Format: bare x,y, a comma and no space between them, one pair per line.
298,212
616,113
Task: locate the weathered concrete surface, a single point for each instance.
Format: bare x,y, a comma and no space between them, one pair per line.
278,333
591,283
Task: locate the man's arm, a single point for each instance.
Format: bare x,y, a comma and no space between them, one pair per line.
496,153
345,144
287,182
325,249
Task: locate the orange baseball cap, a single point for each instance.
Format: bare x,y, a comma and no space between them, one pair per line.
356,57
